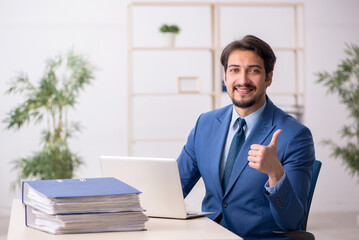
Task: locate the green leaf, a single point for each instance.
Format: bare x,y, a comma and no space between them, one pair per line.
65,76
345,83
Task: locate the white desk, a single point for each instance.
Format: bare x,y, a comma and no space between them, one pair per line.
157,228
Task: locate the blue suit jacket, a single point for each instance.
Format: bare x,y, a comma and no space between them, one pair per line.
248,209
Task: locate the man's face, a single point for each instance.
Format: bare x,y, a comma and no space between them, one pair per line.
246,81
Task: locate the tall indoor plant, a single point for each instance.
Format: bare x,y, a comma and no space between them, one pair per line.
344,82
64,77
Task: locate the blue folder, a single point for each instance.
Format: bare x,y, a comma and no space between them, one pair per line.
82,205
83,187
63,196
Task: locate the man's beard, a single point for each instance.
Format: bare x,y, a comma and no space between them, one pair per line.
243,103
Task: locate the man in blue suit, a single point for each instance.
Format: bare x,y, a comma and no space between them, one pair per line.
264,187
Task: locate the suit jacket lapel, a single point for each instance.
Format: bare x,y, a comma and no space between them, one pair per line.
220,129
263,128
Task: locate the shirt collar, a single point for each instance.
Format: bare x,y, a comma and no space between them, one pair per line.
251,119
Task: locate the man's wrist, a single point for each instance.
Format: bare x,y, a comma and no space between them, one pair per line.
276,187
273,179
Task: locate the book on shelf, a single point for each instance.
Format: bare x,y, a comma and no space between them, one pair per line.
82,205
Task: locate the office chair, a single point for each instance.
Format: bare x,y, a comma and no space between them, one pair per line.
303,234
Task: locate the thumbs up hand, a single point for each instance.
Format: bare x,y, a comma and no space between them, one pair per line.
265,159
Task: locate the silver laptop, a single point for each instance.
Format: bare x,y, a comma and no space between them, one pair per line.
157,178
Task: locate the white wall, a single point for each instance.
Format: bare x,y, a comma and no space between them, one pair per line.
329,25
32,31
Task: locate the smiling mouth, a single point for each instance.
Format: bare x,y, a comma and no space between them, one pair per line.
243,89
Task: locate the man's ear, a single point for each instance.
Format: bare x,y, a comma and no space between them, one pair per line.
225,77
269,78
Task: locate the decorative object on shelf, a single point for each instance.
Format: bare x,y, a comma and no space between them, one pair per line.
224,88
188,85
169,33
64,77
344,82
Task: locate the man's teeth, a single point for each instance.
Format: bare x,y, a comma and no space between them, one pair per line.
243,90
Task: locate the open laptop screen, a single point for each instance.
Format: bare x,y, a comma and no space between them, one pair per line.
157,178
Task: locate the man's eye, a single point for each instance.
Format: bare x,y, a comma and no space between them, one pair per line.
234,70
254,71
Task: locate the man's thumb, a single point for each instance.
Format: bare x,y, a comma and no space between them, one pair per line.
274,140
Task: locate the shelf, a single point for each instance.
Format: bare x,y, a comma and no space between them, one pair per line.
172,49
170,4
288,49
159,140
171,94
146,117
202,49
275,94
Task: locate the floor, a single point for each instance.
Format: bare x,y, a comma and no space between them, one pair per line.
4,223
334,226
324,226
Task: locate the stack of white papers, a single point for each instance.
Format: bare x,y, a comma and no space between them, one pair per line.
82,206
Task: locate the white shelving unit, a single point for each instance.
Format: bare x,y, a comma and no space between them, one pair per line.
159,116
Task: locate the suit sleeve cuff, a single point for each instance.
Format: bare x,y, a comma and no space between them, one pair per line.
276,187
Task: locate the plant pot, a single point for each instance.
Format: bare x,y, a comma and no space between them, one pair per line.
169,39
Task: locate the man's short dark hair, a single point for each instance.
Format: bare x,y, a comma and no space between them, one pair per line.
251,43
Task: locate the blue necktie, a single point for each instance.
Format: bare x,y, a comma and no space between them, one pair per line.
234,149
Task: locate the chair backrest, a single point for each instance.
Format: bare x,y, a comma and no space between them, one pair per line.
313,182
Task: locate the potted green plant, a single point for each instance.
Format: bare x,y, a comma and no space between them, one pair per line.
49,101
344,82
169,32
